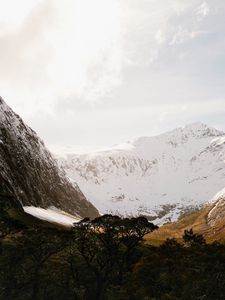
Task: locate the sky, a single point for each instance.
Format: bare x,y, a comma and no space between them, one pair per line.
100,72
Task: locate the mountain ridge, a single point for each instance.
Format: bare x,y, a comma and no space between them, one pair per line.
161,176
30,174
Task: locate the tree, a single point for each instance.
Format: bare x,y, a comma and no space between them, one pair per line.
107,245
192,238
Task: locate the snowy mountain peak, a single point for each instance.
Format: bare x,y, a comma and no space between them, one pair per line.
193,130
201,130
1,100
160,176
4,106
196,126
176,136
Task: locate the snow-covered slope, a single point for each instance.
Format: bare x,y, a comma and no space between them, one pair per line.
160,177
52,215
28,172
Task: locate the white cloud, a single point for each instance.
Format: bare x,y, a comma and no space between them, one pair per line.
98,57
202,11
58,46
183,35
180,36
80,49
160,37
12,13
195,34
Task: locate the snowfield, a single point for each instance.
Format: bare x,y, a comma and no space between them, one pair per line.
52,215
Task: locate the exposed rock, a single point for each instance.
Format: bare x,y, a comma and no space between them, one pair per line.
217,212
29,173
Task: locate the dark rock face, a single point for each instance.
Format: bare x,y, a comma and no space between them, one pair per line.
29,173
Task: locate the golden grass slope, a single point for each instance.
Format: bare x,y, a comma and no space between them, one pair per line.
198,221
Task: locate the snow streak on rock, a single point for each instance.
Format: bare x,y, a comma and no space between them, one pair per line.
52,215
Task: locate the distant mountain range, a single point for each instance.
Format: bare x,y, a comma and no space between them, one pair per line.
160,177
30,175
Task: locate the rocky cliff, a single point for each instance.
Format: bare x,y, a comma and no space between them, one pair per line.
30,174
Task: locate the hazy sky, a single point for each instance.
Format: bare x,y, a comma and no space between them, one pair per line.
99,72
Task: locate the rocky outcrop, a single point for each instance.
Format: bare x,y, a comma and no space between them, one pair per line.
216,214
29,173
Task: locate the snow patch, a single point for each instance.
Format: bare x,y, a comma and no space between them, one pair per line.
219,195
52,215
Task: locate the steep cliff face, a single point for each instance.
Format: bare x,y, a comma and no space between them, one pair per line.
29,173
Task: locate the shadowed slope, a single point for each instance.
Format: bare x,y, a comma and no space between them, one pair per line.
30,174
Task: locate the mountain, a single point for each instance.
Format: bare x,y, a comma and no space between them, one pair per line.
28,172
216,213
208,221
160,177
